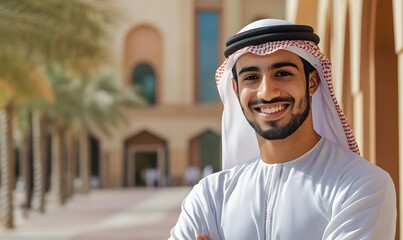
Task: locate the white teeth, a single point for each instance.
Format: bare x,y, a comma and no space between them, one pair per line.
272,109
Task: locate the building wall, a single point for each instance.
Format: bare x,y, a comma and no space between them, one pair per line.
363,40
176,118
163,34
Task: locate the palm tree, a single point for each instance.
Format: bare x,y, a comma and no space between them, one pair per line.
39,151
6,167
24,146
84,105
103,103
7,160
34,33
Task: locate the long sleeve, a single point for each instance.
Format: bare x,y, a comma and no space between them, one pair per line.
365,209
197,216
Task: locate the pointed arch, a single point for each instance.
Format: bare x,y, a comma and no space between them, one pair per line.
204,150
145,160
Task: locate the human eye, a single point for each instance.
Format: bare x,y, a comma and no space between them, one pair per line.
250,77
282,73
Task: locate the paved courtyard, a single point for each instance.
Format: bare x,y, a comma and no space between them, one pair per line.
131,213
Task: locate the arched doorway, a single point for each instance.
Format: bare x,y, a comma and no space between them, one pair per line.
146,161
204,153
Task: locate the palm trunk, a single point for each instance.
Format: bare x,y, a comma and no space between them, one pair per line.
84,162
7,167
38,135
74,162
74,159
57,164
26,168
69,163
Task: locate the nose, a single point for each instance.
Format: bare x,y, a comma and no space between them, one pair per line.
268,88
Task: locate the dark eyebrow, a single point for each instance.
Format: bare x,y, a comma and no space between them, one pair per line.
248,69
283,64
273,66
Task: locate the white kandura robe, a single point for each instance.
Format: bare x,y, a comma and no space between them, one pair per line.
328,193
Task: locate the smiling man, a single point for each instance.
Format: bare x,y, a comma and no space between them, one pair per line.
276,92
292,169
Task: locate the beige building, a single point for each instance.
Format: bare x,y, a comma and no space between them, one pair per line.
171,48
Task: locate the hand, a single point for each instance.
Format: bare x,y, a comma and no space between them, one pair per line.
203,237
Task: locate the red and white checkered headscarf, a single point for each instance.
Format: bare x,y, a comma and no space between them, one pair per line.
239,143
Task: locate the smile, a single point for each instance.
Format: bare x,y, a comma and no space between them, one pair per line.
271,110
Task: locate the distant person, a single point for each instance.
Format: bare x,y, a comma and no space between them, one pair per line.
207,170
151,177
292,168
95,182
192,175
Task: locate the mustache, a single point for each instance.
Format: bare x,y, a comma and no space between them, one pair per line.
274,100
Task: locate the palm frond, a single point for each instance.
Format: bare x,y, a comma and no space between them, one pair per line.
23,82
70,32
88,102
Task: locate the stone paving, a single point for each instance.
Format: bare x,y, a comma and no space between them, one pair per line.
109,214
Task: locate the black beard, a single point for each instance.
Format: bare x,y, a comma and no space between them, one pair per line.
277,132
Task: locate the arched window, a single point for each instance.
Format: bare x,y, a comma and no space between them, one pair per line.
143,81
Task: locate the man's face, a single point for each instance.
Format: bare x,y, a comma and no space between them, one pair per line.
273,93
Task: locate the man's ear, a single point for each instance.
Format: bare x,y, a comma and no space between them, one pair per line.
235,87
314,82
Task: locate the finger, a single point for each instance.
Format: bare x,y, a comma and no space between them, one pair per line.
203,237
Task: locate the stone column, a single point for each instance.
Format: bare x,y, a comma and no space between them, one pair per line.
398,25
